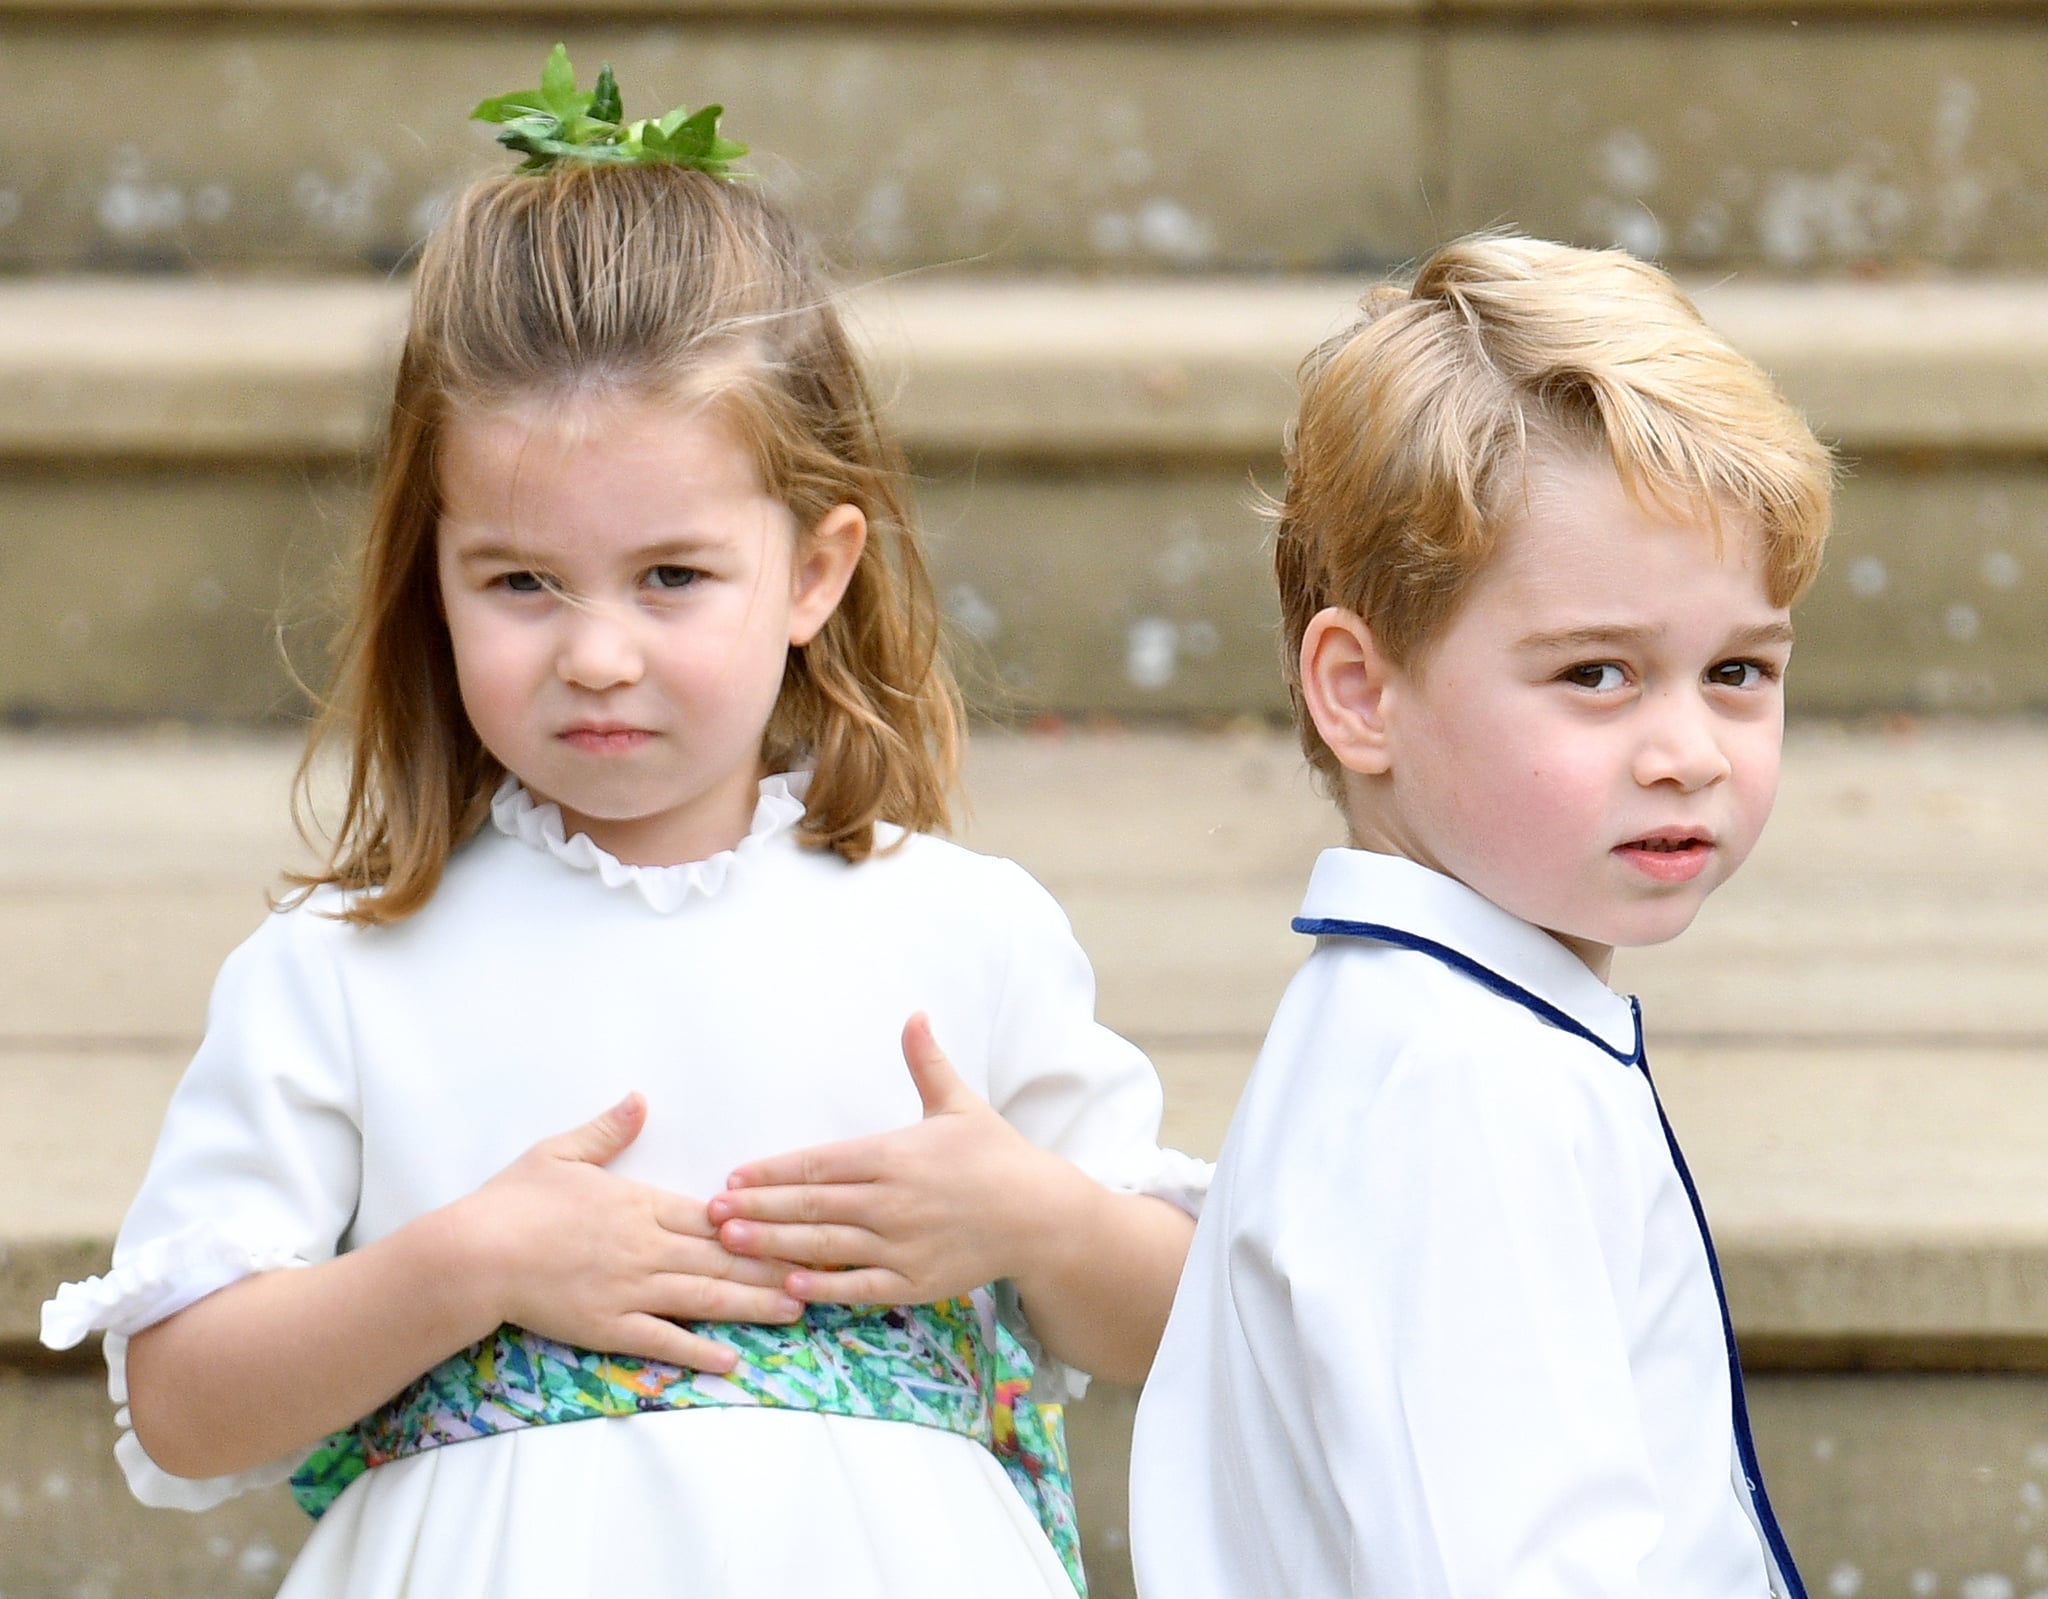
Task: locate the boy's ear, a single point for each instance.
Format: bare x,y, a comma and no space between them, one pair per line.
826,557
1345,683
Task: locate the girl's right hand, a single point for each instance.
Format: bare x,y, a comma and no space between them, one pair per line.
568,1250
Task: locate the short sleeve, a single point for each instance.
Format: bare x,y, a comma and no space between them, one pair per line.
1458,1311
257,1167
1072,1085
1062,1078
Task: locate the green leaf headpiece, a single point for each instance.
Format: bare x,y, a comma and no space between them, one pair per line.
559,122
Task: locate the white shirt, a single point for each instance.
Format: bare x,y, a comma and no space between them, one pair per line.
1449,1326
352,1079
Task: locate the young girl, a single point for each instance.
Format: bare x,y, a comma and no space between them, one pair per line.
644,735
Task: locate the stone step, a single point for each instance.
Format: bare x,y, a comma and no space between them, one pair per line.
1088,453
1886,901
1861,1107
1058,369
1092,134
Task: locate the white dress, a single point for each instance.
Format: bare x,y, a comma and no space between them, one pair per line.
351,1080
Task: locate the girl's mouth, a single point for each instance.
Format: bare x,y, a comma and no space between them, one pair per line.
1669,857
605,740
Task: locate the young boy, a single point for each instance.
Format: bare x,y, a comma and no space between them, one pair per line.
1451,1324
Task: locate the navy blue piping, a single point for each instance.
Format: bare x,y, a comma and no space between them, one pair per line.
1486,977
1328,927
1745,1442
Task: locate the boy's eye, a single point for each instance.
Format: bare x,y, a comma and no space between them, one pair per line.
1602,677
1739,674
672,577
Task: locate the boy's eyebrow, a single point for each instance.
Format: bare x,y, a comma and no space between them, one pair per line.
1587,638
1752,638
1758,636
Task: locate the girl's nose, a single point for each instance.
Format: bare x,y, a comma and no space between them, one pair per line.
598,650
1681,745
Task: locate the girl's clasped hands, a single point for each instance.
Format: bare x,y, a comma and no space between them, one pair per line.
919,1214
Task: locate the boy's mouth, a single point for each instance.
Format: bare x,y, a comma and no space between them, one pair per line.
1668,857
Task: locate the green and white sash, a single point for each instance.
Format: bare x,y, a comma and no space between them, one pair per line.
943,1365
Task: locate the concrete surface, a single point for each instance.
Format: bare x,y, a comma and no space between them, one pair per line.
1123,136
306,146
1089,457
1040,368
153,591
1098,10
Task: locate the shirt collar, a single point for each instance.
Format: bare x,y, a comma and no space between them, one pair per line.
1387,892
778,808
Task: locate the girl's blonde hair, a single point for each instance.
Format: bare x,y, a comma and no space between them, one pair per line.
630,282
1417,424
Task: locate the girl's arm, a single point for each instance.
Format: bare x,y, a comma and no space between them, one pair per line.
554,1243
955,1201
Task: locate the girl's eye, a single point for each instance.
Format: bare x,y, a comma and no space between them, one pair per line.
1600,677
1740,674
672,577
522,582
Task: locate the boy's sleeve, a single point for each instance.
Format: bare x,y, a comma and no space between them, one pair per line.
258,1167
1457,1307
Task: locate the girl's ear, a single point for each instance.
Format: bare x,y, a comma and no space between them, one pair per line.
826,557
1346,684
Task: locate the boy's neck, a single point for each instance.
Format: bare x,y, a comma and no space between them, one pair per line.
1373,825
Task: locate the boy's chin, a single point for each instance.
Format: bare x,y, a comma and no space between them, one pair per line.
1636,931
1594,939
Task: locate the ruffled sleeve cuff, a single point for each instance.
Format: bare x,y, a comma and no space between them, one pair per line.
145,1287
1180,1180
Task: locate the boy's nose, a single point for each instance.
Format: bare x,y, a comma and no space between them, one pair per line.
1681,745
598,650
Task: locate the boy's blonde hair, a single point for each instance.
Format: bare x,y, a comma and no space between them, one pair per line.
1417,424
634,283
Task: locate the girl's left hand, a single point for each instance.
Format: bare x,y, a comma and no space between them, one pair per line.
923,1213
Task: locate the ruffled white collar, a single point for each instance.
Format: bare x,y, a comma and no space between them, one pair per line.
665,888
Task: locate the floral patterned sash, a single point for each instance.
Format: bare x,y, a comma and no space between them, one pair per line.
939,1365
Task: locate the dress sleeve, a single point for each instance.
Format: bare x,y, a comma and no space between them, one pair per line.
1458,1309
1073,1086
257,1167
1064,1080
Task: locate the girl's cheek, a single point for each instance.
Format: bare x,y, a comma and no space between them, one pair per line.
492,653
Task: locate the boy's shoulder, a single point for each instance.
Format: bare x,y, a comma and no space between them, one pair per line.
1419,987
1376,1013
1411,936
1390,1074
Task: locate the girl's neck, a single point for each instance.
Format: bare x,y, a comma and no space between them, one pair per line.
677,836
